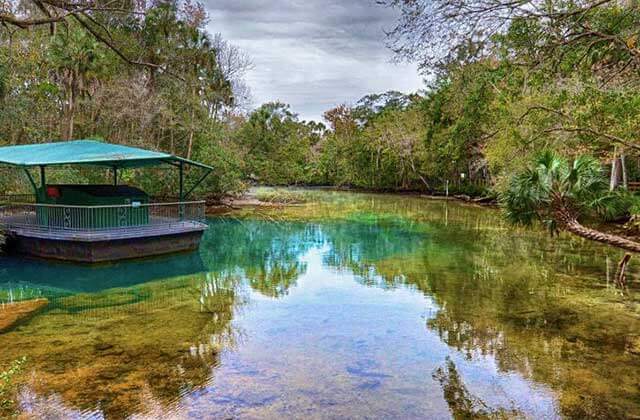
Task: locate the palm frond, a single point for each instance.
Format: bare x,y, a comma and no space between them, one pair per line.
523,198
612,206
578,188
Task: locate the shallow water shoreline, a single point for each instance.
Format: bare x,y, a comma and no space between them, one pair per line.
248,199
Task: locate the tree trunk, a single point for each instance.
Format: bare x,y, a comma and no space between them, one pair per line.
191,128
70,117
623,166
615,172
215,112
71,98
172,146
190,144
576,228
413,168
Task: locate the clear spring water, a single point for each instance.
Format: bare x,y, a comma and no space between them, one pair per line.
353,305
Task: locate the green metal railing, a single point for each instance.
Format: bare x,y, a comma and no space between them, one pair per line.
100,218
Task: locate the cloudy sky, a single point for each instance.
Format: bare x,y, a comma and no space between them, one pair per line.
313,54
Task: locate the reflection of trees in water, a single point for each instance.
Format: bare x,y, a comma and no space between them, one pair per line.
357,244
462,404
275,278
267,254
164,337
219,296
523,298
528,301
532,306
524,301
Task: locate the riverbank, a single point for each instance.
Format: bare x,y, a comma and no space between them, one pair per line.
247,200
294,196
280,197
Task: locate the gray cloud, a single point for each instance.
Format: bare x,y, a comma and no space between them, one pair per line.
313,54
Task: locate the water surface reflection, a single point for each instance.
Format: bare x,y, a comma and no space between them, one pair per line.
354,305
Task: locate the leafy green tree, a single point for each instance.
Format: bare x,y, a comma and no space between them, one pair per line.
277,145
395,141
375,104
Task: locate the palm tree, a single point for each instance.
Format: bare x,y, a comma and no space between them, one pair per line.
77,59
560,194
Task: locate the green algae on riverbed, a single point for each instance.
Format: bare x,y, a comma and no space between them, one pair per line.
350,305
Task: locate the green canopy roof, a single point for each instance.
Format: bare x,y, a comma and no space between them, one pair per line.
86,152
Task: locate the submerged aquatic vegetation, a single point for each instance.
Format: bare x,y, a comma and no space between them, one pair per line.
8,386
162,336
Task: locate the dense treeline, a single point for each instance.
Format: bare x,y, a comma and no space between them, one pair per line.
388,141
524,78
551,76
560,100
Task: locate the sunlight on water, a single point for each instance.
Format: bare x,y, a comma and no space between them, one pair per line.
353,305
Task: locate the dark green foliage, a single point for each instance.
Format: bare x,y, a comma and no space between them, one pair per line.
553,188
3,81
278,145
371,106
555,76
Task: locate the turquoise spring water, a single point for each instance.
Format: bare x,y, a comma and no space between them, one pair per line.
353,305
